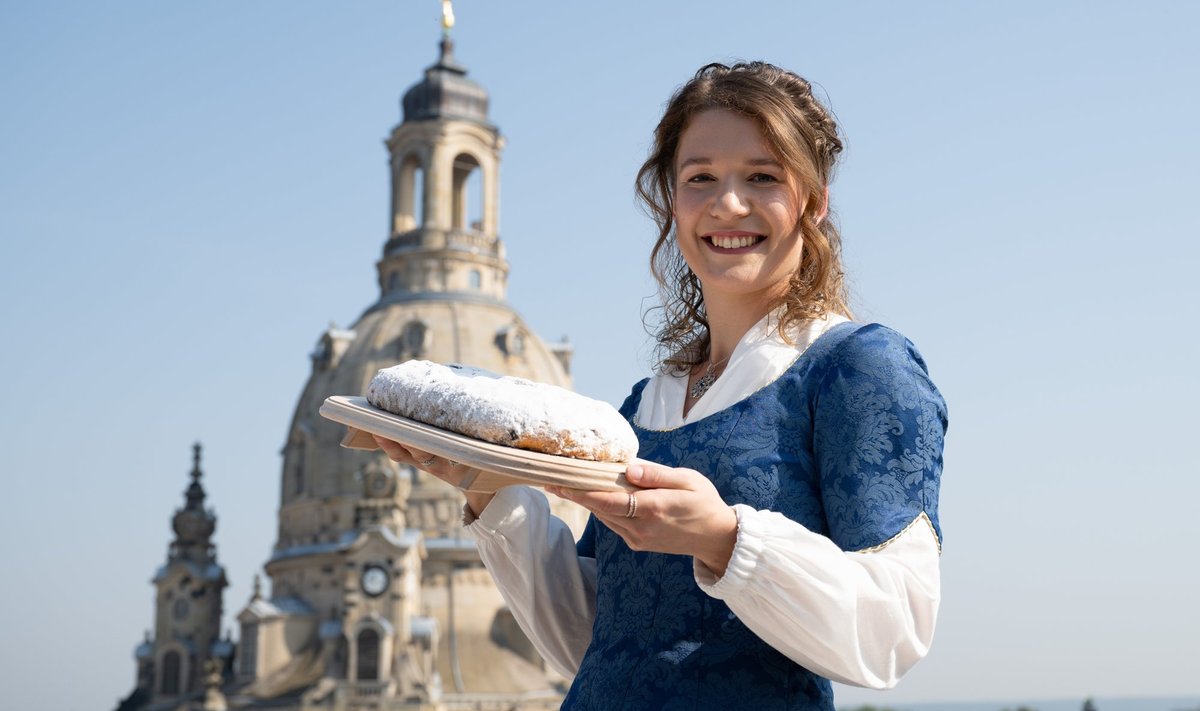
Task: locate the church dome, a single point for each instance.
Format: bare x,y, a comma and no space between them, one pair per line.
446,92
193,524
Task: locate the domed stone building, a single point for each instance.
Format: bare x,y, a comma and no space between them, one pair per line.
376,599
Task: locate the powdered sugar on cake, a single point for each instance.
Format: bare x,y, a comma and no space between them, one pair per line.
504,410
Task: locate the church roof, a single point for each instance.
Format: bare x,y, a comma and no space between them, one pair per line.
346,541
446,92
263,609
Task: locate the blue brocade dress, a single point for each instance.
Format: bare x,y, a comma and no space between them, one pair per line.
847,442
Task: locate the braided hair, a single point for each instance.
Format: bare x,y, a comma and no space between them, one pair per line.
805,138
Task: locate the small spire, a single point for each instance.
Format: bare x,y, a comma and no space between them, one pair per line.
195,492
257,589
446,56
196,461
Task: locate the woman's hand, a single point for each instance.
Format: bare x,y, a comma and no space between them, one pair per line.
448,471
678,511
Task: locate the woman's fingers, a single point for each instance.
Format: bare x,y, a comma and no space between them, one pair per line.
395,451
405,454
649,475
424,459
447,470
601,503
679,511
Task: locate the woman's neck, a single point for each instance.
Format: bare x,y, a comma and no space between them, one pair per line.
728,321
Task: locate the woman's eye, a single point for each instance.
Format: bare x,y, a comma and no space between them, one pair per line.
699,178
763,178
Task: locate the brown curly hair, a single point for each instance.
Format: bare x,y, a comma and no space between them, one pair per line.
804,137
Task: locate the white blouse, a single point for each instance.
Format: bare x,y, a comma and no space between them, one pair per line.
856,617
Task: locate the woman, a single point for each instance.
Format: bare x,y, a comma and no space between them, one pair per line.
785,532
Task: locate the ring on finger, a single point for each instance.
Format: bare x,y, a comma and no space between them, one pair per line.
631,508
427,462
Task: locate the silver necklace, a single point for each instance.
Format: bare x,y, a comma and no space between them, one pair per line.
705,381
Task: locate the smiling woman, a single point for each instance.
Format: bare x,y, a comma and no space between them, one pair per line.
767,119
784,530
737,213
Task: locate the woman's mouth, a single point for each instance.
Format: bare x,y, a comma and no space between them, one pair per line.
733,241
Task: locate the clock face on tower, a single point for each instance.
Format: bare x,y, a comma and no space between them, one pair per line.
375,580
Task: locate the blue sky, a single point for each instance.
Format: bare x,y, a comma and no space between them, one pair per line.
191,192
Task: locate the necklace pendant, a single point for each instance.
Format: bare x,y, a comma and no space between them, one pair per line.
702,385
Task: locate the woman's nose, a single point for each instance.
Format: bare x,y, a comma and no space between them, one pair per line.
729,203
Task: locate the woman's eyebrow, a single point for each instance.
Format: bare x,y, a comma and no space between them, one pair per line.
753,162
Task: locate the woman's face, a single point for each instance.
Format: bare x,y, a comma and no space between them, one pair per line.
737,210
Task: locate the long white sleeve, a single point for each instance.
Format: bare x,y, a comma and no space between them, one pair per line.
861,618
549,588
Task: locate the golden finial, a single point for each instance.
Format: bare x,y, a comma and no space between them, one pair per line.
447,16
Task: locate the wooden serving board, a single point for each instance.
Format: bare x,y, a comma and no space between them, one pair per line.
499,466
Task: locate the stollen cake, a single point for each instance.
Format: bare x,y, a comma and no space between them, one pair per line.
504,410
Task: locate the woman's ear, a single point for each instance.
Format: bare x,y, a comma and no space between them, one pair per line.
820,217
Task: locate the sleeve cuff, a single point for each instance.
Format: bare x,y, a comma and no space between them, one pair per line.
747,552
510,507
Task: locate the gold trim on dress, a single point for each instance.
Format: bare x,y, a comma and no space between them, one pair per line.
921,516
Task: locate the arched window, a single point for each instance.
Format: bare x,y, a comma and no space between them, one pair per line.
476,280
413,340
368,655
170,673
467,194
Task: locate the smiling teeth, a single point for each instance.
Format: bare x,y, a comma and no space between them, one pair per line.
733,242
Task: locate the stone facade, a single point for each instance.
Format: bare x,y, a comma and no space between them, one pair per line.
377,601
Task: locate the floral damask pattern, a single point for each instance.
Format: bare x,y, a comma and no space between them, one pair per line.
847,442
878,438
